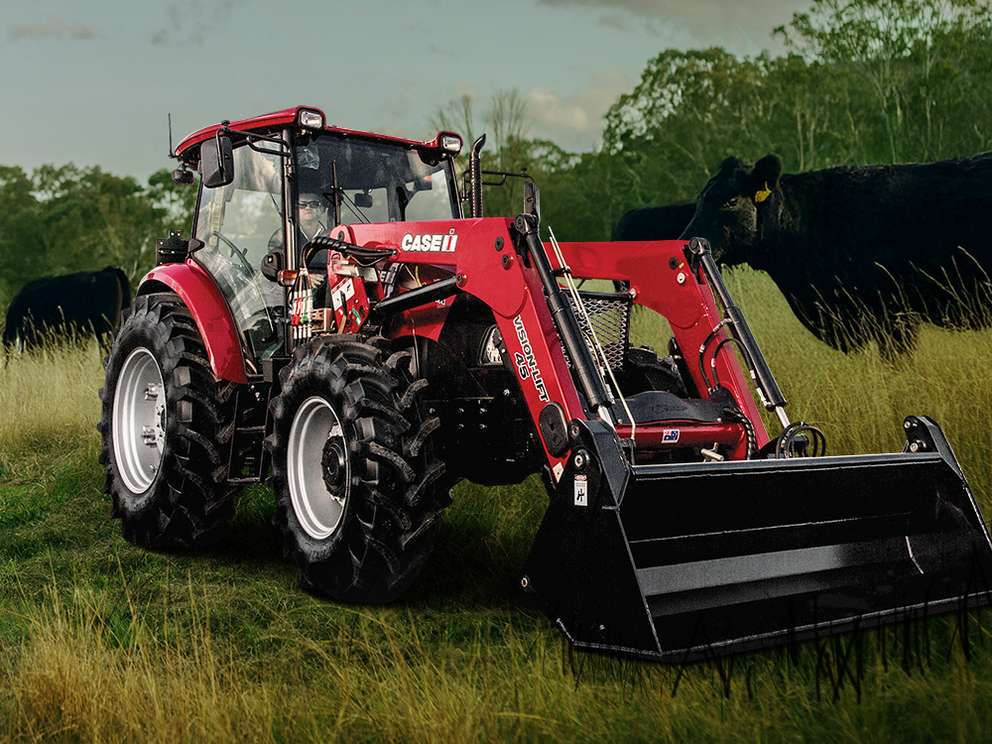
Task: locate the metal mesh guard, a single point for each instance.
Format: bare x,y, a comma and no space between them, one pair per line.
609,314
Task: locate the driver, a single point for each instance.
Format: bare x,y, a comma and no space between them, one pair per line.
313,216
312,221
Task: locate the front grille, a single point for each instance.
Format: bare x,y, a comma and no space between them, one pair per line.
609,314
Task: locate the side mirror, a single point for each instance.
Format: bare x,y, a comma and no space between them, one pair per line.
363,200
217,162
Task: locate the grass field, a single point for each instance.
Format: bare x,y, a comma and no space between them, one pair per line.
102,641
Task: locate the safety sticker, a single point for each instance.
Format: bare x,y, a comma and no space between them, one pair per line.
342,292
670,436
581,491
558,469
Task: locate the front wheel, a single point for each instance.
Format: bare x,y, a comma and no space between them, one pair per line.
353,468
165,424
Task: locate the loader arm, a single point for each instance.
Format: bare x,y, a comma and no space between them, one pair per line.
684,560
499,278
491,268
660,277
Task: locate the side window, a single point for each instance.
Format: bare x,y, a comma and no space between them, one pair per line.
237,224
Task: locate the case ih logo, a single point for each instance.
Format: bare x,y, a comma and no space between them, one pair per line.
526,362
430,243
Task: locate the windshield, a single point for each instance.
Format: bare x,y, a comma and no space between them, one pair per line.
377,182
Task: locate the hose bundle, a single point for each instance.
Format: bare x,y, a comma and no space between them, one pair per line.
800,439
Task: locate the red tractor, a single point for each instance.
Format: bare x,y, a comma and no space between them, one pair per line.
337,324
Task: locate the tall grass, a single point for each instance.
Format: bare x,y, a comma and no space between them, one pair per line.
102,641
48,408
89,672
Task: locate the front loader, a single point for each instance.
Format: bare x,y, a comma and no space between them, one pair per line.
367,362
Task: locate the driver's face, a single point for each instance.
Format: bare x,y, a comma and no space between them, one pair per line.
312,209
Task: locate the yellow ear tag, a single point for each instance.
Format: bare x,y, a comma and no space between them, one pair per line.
762,194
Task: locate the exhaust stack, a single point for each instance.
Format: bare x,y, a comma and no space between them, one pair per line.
475,176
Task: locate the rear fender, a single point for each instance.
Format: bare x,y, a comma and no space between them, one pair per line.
210,312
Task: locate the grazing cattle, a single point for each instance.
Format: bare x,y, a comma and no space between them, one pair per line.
86,303
655,223
860,253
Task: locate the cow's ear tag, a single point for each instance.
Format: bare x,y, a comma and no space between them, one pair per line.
762,194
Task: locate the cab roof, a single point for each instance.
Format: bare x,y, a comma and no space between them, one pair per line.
289,116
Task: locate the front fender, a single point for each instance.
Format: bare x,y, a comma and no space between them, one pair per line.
210,312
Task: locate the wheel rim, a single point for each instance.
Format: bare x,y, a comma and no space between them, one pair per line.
318,468
139,421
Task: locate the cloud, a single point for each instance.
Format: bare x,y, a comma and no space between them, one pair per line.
439,51
553,111
189,22
706,21
616,21
575,121
54,29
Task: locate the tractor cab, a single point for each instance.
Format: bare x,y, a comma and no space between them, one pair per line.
252,169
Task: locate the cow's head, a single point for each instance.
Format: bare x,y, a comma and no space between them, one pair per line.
727,207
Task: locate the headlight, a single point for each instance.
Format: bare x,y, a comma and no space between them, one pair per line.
311,119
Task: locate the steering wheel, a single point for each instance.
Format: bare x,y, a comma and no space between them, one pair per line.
241,255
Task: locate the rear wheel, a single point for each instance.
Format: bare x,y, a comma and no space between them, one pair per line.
354,471
165,423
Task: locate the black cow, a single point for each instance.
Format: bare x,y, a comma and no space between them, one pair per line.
860,253
86,303
655,223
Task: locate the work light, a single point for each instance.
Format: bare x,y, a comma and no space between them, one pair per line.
452,143
311,119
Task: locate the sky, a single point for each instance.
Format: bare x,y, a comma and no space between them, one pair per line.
92,82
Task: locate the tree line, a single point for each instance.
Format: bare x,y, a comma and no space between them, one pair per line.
859,81
60,219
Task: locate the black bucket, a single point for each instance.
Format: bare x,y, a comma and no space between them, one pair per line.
684,561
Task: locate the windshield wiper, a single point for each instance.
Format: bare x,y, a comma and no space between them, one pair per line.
337,192
355,209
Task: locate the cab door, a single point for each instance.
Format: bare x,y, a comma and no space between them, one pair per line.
239,224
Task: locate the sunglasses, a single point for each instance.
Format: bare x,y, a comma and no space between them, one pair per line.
310,205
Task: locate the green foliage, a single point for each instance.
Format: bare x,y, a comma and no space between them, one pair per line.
18,218
61,219
914,67
861,81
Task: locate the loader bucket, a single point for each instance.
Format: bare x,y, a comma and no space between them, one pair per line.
686,561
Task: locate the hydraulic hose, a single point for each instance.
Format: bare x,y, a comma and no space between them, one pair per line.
771,394
564,319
